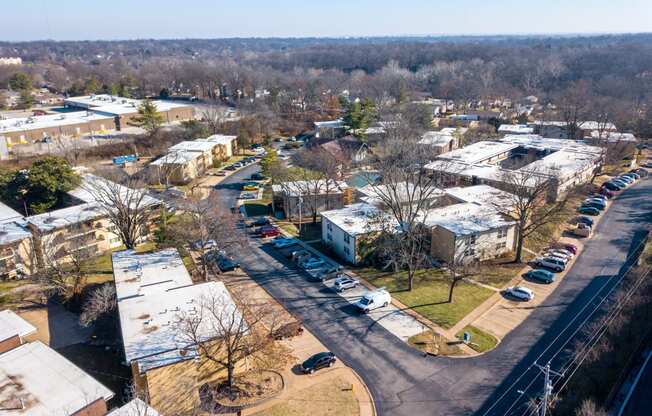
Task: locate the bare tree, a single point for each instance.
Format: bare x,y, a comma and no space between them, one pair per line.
241,331
102,300
532,200
125,203
406,192
458,270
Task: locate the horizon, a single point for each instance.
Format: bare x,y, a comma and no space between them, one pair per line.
75,20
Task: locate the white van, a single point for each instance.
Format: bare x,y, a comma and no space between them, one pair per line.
374,300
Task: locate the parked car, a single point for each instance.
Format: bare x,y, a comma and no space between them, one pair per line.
541,275
572,248
324,273
601,197
345,282
632,175
297,255
285,242
597,202
220,173
520,292
585,220
640,171
551,263
259,222
588,210
582,230
627,179
317,361
609,194
556,255
250,187
620,182
612,186
312,263
268,231
257,176
373,300
560,252
227,264
230,167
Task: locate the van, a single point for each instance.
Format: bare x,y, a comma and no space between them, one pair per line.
374,300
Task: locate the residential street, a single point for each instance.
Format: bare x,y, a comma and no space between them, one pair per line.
404,381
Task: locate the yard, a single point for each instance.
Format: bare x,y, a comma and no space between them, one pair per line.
309,231
430,294
481,341
328,398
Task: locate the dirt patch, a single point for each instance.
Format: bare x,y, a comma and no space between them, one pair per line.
432,343
248,389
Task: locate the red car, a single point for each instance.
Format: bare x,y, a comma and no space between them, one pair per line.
566,246
268,231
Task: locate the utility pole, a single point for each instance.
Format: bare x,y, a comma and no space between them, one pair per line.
547,386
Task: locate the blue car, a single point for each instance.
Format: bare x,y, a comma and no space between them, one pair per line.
612,186
588,211
595,204
541,275
585,220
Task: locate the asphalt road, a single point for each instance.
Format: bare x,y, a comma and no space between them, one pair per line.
404,381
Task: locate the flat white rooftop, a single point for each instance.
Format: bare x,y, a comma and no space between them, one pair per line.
136,407
52,120
45,382
12,231
11,325
331,124
478,152
154,290
359,218
219,139
193,146
586,125
8,213
110,104
466,218
515,129
66,217
401,192
483,195
615,137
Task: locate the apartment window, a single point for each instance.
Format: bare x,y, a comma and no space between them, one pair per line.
346,250
347,238
502,233
469,252
501,246
329,237
473,239
329,226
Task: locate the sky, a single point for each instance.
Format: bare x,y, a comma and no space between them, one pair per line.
23,20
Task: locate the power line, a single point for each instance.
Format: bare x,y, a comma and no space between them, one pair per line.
578,314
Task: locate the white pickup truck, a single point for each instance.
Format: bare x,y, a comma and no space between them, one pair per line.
374,300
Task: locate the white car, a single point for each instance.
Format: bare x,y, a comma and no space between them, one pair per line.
345,282
557,255
520,292
373,300
552,263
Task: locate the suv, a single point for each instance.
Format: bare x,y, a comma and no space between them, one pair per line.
541,275
552,263
345,282
520,292
373,300
317,361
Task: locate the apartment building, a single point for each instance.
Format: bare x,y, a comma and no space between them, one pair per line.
465,225
154,290
564,163
563,130
15,245
303,198
330,129
38,381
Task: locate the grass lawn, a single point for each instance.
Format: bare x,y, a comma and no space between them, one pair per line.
497,274
309,231
430,294
328,398
5,287
481,341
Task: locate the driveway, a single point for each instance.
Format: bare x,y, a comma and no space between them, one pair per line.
405,382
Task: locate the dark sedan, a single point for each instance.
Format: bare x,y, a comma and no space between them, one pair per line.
317,361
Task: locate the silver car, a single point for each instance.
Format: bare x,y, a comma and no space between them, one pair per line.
345,282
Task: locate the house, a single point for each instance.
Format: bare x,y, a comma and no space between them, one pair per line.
566,163
469,232
304,198
445,140
348,231
154,290
38,381
347,150
124,111
330,129
28,130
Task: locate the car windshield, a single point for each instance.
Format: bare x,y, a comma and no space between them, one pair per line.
365,301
